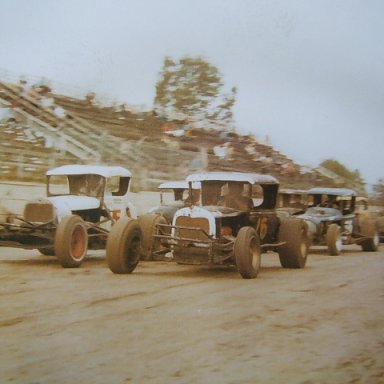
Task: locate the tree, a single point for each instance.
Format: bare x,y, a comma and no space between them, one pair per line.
378,190
193,87
341,170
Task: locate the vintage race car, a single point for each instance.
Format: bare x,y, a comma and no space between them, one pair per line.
332,221
82,203
164,212
364,212
380,227
292,201
180,197
234,221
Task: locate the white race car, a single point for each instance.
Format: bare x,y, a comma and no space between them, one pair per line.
82,203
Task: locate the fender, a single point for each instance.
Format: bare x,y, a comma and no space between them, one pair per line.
65,205
131,208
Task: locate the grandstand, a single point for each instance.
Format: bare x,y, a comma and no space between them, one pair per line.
37,138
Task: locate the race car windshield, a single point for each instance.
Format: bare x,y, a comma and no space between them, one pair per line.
58,185
86,185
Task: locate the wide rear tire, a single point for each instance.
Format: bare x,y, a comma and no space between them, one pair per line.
123,246
71,241
333,240
149,244
368,228
247,252
293,254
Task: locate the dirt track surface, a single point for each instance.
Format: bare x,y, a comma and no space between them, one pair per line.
168,323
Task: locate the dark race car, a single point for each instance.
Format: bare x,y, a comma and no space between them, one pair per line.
333,222
234,221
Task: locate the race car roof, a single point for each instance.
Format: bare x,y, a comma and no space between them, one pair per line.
178,184
332,191
290,191
106,171
252,178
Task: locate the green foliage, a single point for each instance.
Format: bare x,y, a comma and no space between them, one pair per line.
192,86
379,186
341,170
378,190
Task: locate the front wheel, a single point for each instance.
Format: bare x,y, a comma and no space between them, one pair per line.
294,233
71,241
123,246
334,241
149,244
247,252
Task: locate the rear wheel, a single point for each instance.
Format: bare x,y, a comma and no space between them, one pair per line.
247,252
333,239
368,228
149,244
71,241
123,246
293,254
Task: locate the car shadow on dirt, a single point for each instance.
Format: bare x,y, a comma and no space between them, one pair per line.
173,270
52,260
324,252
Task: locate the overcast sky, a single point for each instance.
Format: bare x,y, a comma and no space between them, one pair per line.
309,73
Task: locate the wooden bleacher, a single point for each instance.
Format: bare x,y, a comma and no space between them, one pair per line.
136,140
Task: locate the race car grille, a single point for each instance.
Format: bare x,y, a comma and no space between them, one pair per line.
39,212
192,222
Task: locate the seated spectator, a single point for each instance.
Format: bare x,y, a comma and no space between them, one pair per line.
24,87
224,151
47,101
219,151
59,112
6,114
251,150
91,98
34,94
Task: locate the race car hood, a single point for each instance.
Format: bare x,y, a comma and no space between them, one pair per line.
214,210
318,214
219,211
65,205
167,210
166,207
